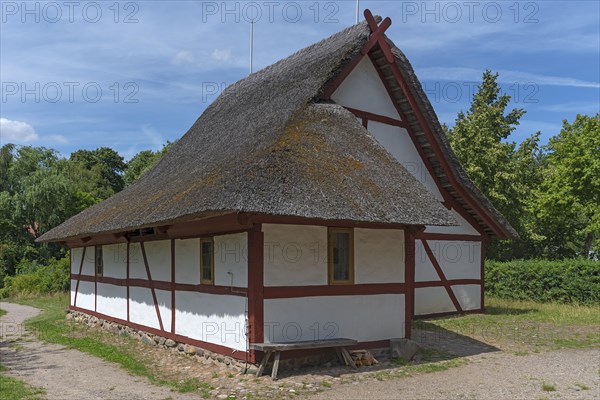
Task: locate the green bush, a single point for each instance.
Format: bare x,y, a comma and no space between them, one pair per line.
34,279
568,281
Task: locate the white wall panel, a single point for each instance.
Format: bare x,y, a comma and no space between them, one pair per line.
218,319
424,270
469,296
364,90
141,307
159,259
364,318
85,297
295,255
187,261
458,259
378,256
464,227
231,256
432,300
112,300
115,260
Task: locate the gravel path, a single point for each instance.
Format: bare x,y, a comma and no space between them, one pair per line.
493,376
68,374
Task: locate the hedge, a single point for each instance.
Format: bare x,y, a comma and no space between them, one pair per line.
34,279
568,281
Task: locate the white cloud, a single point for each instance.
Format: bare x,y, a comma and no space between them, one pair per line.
58,139
221,55
183,57
16,131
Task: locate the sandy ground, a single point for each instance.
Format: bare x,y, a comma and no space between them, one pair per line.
493,376
68,374
489,373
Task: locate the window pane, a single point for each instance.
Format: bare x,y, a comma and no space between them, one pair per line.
341,256
207,250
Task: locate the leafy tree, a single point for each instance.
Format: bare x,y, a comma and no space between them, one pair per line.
504,172
567,202
109,162
144,161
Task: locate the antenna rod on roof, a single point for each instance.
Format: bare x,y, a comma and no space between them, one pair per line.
251,43
357,10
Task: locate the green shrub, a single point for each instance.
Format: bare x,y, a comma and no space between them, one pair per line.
567,281
34,279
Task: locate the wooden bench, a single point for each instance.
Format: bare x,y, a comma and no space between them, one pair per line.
269,348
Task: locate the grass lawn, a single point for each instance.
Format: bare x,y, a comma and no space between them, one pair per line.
523,326
2,312
51,326
14,389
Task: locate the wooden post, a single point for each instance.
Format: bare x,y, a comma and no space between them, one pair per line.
409,280
255,287
173,286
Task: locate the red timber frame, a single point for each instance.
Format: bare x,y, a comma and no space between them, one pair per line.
377,41
256,292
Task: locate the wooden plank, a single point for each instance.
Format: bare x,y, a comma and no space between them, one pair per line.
348,358
263,363
275,365
303,345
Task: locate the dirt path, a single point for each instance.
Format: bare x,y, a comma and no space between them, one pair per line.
493,376
68,374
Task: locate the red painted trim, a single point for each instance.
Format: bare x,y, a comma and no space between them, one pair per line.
373,25
256,320
377,33
165,285
409,279
450,236
365,115
173,308
452,282
365,123
216,348
445,314
127,280
286,292
96,283
442,276
160,323
78,279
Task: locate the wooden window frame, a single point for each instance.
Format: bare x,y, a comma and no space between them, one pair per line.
330,233
101,272
212,267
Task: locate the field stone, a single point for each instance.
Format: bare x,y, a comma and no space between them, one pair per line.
170,343
190,350
404,348
147,339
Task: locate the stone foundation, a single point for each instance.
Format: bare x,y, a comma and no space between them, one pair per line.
327,359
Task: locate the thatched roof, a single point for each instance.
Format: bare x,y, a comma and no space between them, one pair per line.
267,146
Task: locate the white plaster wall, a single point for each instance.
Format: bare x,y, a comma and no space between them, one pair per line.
85,298
378,256
295,255
399,144
141,307
468,296
72,291
137,270
159,259
187,261
231,255
364,318
115,260
424,270
218,319
432,300
76,259
464,227
112,300
458,259
363,90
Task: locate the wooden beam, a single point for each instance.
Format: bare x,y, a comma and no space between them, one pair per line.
442,276
79,275
160,323
409,279
173,286
256,287
377,117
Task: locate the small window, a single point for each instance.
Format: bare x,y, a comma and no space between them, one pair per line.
207,261
341,256
99,261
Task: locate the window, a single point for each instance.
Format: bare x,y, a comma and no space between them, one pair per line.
341,256
99,261
207,261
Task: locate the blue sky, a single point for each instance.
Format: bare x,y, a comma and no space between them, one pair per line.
132,75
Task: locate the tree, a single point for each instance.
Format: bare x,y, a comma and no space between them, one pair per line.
504,172
110,163
567,203
144,161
